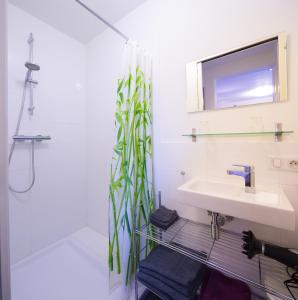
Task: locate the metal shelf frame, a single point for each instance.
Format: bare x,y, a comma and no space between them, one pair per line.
190,238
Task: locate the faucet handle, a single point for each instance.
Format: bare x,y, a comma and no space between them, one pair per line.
247,168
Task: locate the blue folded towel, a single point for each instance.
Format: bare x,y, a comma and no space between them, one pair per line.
163,290
186,291
174,266
165,268
163,217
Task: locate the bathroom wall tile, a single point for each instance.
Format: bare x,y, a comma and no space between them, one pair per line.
185,157
222,155
20,209
57,204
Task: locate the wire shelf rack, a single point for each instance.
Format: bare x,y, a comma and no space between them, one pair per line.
194,240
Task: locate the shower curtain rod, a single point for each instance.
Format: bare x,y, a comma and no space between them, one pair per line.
103,20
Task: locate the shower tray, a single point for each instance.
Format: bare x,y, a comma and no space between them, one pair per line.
187,237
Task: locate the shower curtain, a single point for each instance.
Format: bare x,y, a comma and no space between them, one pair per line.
131,186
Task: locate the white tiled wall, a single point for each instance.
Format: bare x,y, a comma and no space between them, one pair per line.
56,206
101,91
175,33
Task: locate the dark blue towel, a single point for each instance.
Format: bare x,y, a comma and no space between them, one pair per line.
174,268
163,217
163,290
186,291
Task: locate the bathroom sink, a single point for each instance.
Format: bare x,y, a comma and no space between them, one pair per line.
265,206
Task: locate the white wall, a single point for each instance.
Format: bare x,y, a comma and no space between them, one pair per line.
56,206
177,32
101,90
4,207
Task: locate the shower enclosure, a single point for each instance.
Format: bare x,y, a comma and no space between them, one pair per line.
49,233
60,140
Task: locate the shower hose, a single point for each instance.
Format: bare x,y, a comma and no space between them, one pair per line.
12,148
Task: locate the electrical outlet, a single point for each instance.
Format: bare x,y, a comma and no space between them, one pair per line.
284,163
276,163
293,164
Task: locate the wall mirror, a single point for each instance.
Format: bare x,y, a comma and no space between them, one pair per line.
252,74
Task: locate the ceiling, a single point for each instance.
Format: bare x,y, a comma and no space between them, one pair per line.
72,19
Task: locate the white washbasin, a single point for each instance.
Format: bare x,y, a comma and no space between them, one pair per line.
265,206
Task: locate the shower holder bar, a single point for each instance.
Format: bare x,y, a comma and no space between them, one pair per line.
31,81
32,138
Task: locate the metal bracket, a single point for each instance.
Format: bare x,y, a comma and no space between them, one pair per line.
193,132
217,221
278,132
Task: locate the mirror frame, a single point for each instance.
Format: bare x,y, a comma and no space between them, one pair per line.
194,76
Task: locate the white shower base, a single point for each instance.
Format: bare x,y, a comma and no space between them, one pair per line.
72,269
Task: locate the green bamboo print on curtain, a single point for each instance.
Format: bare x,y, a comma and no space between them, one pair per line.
131,187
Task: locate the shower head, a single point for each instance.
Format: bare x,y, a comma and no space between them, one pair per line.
32,67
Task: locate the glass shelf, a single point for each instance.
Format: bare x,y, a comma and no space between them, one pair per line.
239,133
194,239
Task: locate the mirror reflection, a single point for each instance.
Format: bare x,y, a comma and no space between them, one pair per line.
245,76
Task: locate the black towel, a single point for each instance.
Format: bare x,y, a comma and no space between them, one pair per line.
163,290
163,217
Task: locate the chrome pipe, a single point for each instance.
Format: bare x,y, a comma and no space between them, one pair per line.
214,226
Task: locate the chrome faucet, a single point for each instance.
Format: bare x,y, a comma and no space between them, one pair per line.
248,174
